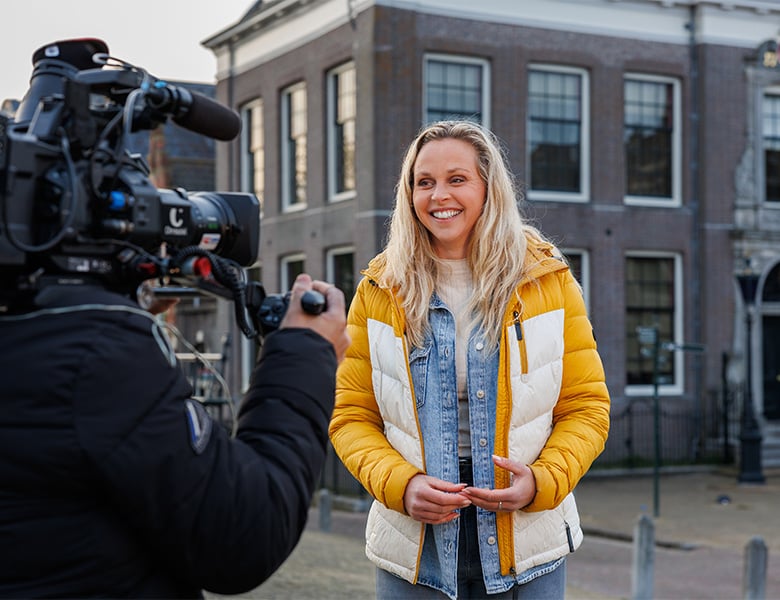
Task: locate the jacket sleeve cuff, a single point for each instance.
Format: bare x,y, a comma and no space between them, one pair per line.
396,487
545,490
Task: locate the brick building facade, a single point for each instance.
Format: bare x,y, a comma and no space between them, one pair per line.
644,134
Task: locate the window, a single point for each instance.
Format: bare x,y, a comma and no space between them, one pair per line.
651,140
579,264
341,270
249,347
294,148
771,134
652,301
455,87
252,149
342,109
558,133
289,268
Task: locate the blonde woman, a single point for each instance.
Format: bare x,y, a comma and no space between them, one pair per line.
472,399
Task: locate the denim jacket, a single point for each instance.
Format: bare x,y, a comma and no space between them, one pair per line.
433,375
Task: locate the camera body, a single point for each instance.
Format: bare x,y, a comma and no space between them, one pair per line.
274,306
77,205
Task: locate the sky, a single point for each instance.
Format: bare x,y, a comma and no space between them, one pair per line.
162,36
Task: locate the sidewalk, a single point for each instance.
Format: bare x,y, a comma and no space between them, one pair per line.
705,520
706,508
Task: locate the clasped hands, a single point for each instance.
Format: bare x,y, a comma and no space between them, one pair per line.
434,501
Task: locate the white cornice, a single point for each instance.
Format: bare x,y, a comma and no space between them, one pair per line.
286,24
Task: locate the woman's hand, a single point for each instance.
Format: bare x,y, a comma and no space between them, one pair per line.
520,493
433,501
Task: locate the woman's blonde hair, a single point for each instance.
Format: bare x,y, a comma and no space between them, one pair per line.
497,250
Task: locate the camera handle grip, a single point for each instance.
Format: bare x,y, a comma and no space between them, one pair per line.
313,302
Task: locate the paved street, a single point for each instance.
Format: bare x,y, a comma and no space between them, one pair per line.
705,520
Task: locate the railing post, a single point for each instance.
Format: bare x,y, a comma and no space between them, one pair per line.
754,575
643,567
325,502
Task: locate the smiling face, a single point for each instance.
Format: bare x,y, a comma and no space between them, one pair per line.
448,194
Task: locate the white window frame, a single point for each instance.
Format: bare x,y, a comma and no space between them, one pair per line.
248,170
330,254
677,387
287,194
284,284
584,273
462,60
249,347
772,90
333,151
560,196
676,199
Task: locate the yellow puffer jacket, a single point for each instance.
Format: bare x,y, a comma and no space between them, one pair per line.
375,431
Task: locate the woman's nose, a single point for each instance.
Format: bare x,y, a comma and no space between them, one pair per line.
439,192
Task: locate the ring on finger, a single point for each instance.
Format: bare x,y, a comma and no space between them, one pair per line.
500,504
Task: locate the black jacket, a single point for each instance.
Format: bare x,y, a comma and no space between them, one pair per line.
114,483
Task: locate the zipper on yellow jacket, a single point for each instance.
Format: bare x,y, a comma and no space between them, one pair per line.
513,334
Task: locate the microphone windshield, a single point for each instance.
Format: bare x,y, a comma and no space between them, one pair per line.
210,118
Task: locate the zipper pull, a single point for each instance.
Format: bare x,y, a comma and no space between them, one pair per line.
568,536
518,327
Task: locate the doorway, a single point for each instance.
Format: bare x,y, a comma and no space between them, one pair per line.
771,366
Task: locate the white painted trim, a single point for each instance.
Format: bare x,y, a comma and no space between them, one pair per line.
678,386
330,103
464,60
285,285
736,23
290,24
774,92
676,198
584,255
284,157
246,181
559,196
330,254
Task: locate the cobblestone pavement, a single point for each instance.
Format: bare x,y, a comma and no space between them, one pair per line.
705,520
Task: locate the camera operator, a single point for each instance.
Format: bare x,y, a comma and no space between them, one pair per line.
115,483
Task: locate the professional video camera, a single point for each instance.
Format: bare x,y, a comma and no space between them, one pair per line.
76,206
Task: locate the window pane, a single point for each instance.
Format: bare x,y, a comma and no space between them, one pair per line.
454,91
295,147
647,137
555,130
252,145
291,268
342,266
575,265
343,112
649,303
257,150
771,133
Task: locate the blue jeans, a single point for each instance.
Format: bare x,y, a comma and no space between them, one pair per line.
550,586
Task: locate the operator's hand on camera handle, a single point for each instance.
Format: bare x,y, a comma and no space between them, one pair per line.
330,324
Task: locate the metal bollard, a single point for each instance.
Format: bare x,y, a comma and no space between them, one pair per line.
643,567
754,575
325,502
